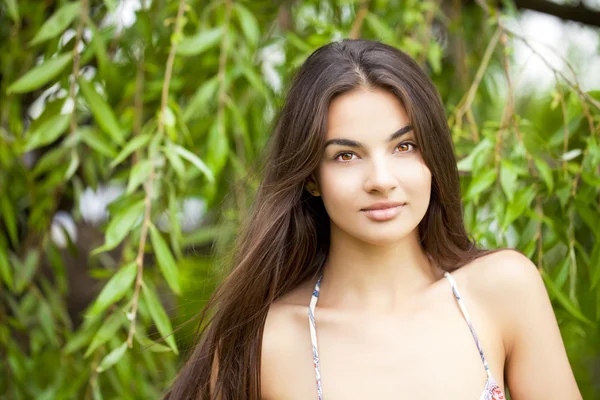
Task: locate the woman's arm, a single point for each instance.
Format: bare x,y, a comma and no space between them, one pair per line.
537,366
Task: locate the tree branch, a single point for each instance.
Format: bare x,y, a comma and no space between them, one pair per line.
223,64
358,21
149,183
574,85
579,13
76,63
464,105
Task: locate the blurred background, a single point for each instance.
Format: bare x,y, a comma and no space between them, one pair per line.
130,131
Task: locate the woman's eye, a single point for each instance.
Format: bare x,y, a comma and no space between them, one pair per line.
405,147
344,156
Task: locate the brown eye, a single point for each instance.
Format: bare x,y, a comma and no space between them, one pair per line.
344,157
405,147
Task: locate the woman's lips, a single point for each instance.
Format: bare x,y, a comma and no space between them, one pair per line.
383,214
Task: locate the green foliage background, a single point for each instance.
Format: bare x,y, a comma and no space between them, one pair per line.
179,105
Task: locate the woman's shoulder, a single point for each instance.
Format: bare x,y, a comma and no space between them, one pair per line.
503,283
288,315
503,273
511,287
285,353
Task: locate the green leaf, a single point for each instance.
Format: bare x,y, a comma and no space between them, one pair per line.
73,165
96,393
169,119
589,215
57,23
202,98
25,270
103,114
560,277
253,77
380,29
204,235
149,345
516,208
218,148
200,42
165,259
97,142
174,225
557,294
119,226
194,159
106,332
129,148
597,305
13,10
5,269
239,120
41,74
482,149
8,215
139,173
434,56
175,161
49,160
115,288
111,5
44,316
595,264
47,132
112,358
508,179
78,340
248,23
480,183
591,177
298,42
159,316
105,68
545,172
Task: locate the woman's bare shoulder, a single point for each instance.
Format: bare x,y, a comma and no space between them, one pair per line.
501,283
287,309
510,286
286,348
501,274
287,316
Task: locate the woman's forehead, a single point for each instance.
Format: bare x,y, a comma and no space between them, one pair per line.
366,114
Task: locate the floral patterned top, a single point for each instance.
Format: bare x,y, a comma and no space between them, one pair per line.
491,390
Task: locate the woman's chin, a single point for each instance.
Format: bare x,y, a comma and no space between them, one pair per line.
383,237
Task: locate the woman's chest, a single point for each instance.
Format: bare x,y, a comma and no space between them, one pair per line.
427,355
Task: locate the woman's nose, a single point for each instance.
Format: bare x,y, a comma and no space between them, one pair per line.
380,177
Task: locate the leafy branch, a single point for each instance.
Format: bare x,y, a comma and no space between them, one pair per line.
464,106
148,186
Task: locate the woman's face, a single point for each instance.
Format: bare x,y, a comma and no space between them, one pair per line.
372,178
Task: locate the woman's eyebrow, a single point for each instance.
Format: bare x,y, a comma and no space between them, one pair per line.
352,143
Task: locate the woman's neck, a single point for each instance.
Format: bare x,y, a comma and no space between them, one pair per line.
377,278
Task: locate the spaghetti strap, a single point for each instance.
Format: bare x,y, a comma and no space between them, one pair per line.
491,390
465,313
313,335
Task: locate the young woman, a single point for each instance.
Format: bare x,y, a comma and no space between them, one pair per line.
354,277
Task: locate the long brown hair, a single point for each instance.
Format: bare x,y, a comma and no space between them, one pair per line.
285,240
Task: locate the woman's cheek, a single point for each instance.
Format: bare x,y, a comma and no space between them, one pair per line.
418,181
339,184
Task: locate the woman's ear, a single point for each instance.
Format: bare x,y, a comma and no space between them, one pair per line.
312,186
